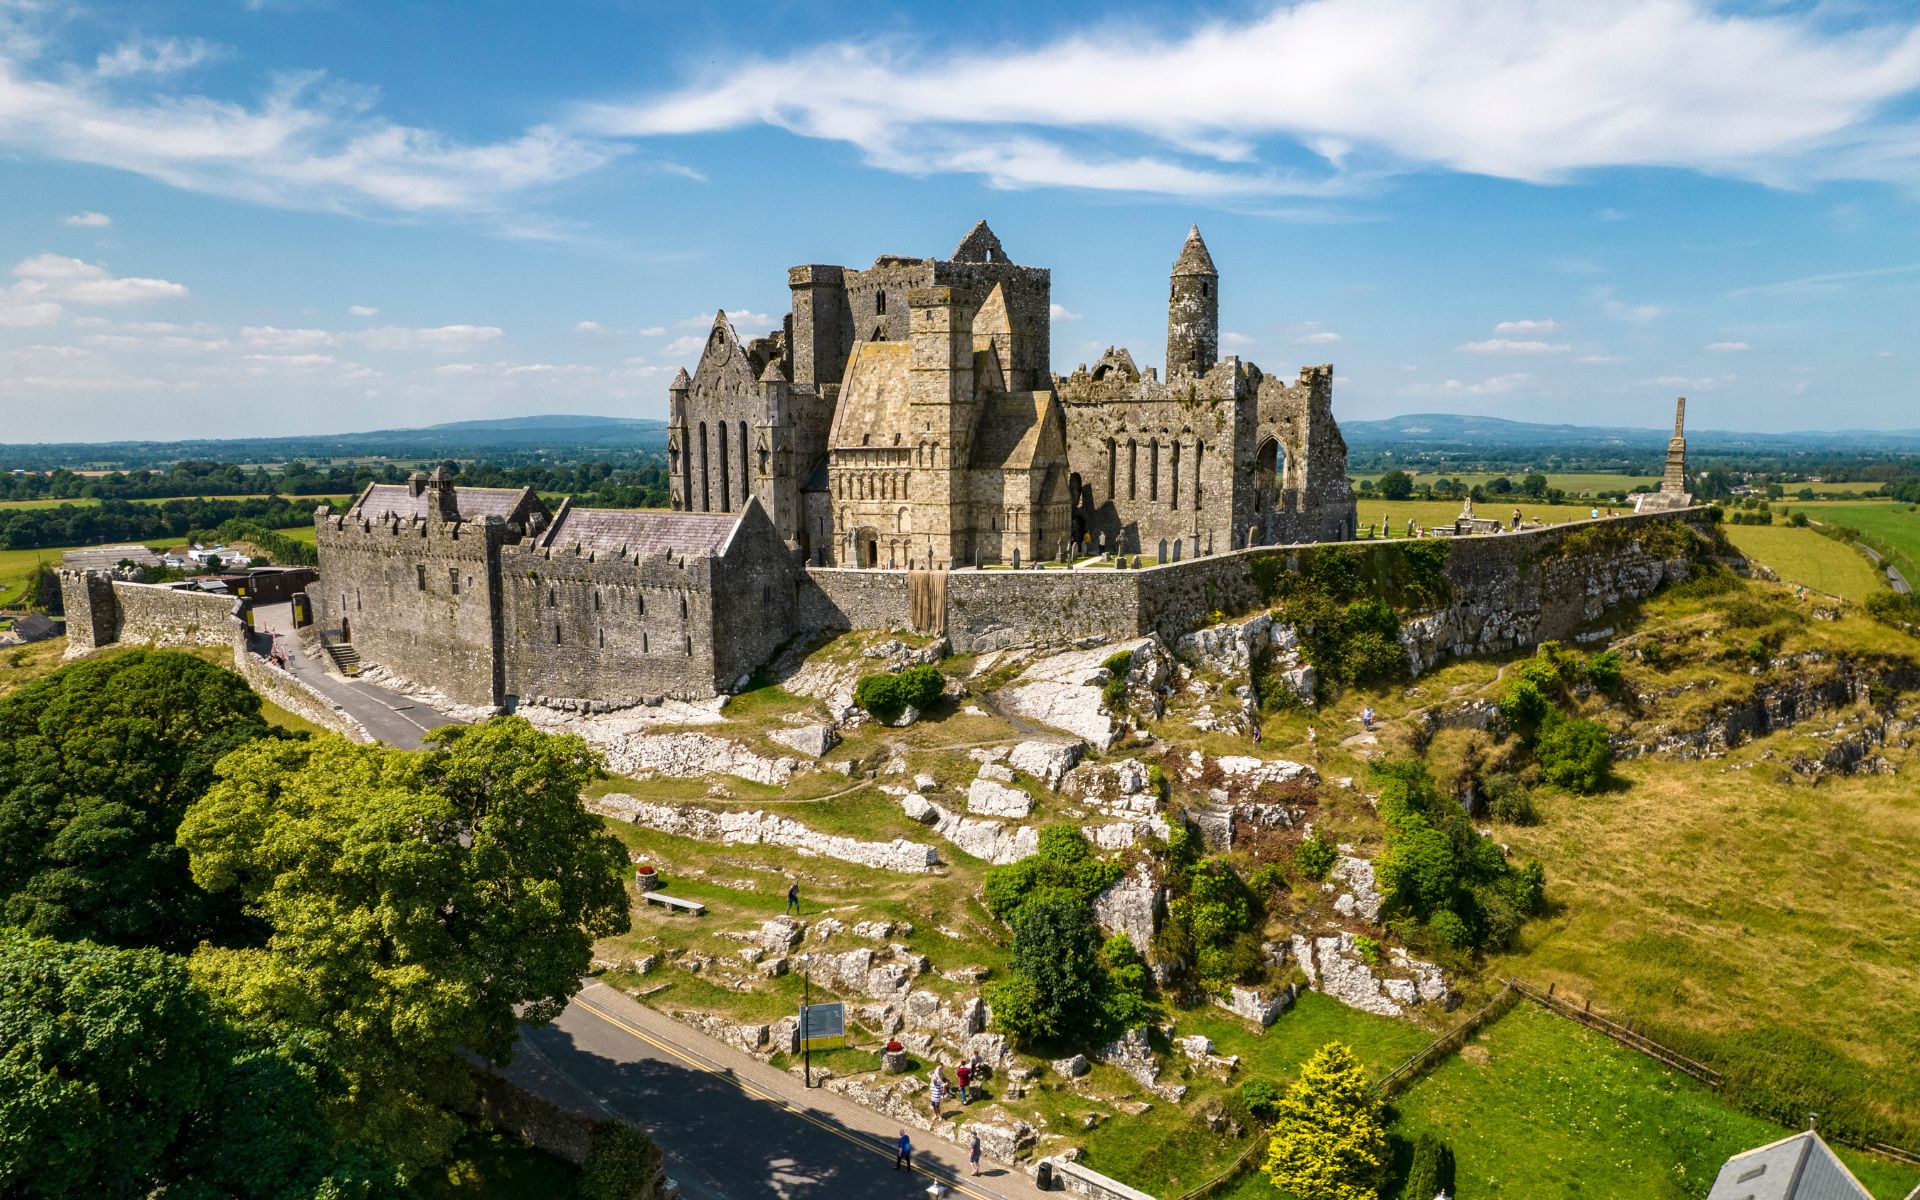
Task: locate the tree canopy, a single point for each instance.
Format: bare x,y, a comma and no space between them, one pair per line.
119,1077
98,763
420,903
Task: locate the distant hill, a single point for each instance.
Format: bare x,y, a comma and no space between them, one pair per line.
509,439
1443,431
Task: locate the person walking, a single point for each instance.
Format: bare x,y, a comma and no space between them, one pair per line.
1313,742
937,1089
1366,717
903,1153
963,1075
973,1151
793,896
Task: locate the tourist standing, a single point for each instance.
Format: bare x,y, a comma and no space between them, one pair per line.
793,896
937,1089
962,1075
903,1153
973,1151
1313,742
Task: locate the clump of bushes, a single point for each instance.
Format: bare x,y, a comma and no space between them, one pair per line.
1314,857
886,696
1573,752
1508,799
1431,1173
1440,880
1212,916
1113,693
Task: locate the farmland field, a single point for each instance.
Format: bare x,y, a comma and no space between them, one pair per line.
1429,513
1895,528
1807,558
90,502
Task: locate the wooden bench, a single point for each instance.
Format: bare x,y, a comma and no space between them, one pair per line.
672,902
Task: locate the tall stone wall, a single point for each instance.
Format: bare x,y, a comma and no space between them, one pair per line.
419,596
169,618
1509,590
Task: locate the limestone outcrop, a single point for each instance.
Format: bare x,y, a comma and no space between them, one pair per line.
1333,965
989,840
1064,690
1131,905
1361,896
751,828
693,755
1232,648
991,799
810,740
1048,762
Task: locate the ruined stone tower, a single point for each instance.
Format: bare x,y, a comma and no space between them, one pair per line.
1193,310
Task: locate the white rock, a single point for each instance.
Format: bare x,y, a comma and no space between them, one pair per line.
1131,905
1047,761
810,740
999,772
908,716
1362,897
925,783
750,828
1064,690
691,755
992,799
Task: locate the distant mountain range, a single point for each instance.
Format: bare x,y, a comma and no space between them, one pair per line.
520,439
1441,431
509,438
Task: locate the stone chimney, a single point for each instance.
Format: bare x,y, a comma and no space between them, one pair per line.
444,503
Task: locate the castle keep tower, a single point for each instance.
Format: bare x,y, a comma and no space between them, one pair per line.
1193,310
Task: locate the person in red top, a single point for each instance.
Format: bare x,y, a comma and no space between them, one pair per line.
962,1075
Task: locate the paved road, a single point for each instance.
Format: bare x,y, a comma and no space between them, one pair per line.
731,1126
387,714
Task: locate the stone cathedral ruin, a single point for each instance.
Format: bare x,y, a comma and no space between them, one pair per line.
901,430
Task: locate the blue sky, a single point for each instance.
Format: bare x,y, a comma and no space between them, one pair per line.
297,216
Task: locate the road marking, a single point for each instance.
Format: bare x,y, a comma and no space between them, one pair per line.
864,1141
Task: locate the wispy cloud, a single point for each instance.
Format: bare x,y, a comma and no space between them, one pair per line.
154,56
362,310
1057,311
46,283
1511,346
1540,326
1518,90
87,220
1727,347
1832,281
1498,385
1319,337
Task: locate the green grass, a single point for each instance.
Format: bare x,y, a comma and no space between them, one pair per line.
1806,557
1429,513
1892,527
1539,1107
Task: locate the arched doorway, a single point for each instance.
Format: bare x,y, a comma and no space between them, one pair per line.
1266,476
1077,506
866,547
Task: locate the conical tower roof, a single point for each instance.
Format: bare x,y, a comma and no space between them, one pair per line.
1194,259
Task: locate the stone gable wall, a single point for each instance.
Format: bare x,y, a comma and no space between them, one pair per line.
422,597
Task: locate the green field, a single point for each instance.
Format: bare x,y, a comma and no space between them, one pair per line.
16,565
1807,558
1895,527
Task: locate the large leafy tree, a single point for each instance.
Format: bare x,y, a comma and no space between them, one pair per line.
118,1077
1329,1142
98,763
420,903
1058,988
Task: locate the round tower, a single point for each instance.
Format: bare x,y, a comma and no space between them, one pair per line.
1193,310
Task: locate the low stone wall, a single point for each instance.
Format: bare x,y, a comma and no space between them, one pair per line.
758,828
298,697
1077,1180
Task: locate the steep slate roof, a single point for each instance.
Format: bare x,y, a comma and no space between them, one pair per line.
382,500
1194,259
1797,1168
34,627
639,531
873,398
1010,431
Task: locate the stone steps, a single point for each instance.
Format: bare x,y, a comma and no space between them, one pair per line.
345,657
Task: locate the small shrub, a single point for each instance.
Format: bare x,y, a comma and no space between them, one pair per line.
1157,782
1523,704
1798,520
1575,754
1314,857
1509,800
1449,930
922,686
1268,877
1432,1171
879,695
1113,694
1603,671
1369,949
1261,1098
1119,664
621,1165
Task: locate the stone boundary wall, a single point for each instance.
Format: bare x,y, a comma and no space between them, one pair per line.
1501,602
1076,1180
166,618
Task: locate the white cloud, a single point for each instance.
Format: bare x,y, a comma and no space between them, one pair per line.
270,335
1545,326
1728,347
1833,281
305,141
1510,346
1690,383
1235,341
743,321
1599,360
653,331
1319,337
87,220
1510,88
589,327
1633,314
1609,214
363,310
689,343
1497,385
443,339
46,283
1057,311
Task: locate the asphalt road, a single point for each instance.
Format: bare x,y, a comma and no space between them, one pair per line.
388,715
731,1128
